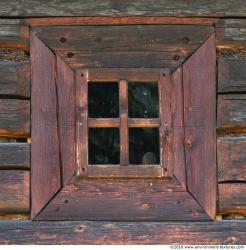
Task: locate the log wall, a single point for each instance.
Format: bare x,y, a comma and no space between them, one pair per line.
15,119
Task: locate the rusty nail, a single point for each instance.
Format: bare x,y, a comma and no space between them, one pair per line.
188,143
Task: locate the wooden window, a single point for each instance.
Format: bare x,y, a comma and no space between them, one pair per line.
73,67
107,109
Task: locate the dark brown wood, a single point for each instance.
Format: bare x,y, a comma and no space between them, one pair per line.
15,79
232,197
105,232
231,111
14,156
129,171
137,46
66,100
124,137
45,153
199,8
166,122
178,151
104,122
231,158
125,20
199,79
122,200
132,74
231,74
14,118
14,191
81,81
123,59
124,37
14,34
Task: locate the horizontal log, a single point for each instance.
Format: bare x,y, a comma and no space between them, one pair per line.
231,155
15,79
231,111
13,34
14,118
232,197
231,30
14,191
107,232
111,8
231,74
14,156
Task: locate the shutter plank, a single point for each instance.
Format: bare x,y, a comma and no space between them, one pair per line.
45,147
200,124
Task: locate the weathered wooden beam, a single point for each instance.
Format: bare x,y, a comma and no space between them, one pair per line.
127,8
232,197
125,20
231,155
14,191
86,232
14,118
231,74
231,111
15,79
14,34
231,31
14,156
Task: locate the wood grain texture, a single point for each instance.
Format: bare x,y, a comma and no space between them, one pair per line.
14,191
45,158
105,232
177,112
231,75
231,31
199,80
14,118
127,8
81,99
231,111
15,79
14,34
231,155
166,147
14,156
142,199
137,46
66,101
124,136
232,197
125,20
124,37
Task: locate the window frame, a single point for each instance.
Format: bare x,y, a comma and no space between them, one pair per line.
83,122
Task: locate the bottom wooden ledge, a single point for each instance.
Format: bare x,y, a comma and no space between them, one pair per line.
88,232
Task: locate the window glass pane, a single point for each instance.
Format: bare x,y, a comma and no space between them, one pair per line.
143,100
144,146
103,100
104,146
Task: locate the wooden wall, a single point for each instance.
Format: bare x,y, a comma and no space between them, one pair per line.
15,121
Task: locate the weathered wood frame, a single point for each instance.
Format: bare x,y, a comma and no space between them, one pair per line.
192,191
121,77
